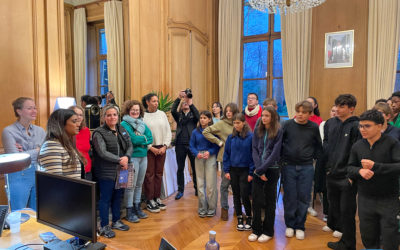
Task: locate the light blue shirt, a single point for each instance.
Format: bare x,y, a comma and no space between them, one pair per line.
16,133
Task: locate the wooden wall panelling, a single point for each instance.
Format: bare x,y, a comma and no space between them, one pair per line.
41,83
327,84
69,48
194,11
199,70
17,58
33,55
94,12
56,50
152,46
134,50
179,60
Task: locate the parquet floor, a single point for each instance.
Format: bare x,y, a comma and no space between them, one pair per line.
184,229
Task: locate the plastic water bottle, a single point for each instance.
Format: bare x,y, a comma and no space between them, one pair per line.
212,244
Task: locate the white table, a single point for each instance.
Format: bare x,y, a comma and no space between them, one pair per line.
170,185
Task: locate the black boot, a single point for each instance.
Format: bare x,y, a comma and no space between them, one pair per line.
130,215
139,212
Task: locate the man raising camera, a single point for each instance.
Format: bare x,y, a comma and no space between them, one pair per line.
186,116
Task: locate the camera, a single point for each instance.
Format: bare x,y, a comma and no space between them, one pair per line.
92,116
188,93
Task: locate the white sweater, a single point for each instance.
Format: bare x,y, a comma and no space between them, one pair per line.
159,126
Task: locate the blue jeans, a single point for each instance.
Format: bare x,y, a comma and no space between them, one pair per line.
22,188
297,183
109,196
206,174
133,195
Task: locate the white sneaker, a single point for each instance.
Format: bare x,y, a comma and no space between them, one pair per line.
252,237
326,229
325,218
299,234
289,232
264,238
312,212
337,234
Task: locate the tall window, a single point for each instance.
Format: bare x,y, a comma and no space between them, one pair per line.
261,68
397,83
102,73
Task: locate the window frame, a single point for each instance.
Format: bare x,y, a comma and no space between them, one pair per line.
99,57
270,37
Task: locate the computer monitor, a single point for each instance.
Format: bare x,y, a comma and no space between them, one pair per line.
67,204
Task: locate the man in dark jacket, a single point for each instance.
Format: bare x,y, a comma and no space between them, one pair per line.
374,164
186,116
340,133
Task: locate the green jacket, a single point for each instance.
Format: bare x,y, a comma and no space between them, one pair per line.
396,124
218,133
139,141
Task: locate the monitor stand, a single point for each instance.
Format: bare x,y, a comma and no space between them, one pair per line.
73,244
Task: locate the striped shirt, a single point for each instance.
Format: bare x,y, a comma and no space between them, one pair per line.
53,158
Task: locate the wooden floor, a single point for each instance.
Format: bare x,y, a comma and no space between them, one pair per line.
184,229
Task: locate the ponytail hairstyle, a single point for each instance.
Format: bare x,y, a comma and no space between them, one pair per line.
273,126
209,116
246,128
147,98
316,109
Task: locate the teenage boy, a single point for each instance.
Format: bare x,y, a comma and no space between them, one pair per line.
395,98
340,133
301,144
374,164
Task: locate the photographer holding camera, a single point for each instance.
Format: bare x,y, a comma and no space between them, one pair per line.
186,116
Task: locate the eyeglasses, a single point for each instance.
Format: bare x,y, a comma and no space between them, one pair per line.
251,98
365,126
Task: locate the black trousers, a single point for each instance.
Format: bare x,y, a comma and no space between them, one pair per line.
181,152
378,218
240,189
342,209
264,197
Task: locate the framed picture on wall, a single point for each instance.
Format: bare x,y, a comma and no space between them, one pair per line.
339,49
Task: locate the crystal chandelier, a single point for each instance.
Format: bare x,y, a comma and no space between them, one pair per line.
284,6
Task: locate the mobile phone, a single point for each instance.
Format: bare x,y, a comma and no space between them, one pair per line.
47,237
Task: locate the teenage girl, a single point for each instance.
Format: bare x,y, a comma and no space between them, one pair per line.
218,133
239,167
206,169
267,142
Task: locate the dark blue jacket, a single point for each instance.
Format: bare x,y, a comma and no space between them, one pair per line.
238,153
272,152
393,132
199,143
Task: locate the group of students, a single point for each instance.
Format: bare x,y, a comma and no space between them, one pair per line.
357,155
275,148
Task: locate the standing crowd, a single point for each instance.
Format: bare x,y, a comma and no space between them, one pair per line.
346,161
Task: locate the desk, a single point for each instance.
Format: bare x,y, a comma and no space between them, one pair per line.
29,233
170,184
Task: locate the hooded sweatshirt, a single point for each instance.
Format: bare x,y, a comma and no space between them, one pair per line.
339,137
